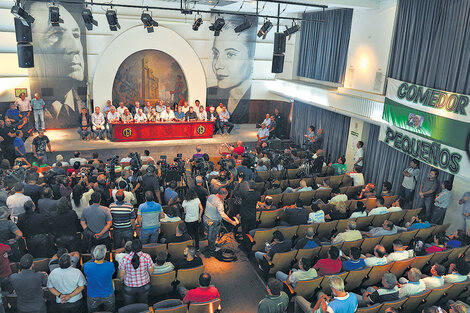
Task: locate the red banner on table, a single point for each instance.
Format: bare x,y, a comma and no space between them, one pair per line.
161,131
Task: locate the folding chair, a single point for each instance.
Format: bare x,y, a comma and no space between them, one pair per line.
407,236
415,301
260,238
425,233
455,254
153,249
347,245
343,190
466,291
289,231
388,200
410,213
189,277
302,230
170,306
355,278
205,307
276,199
353,191
370,203
325,287
387,241
454,291
440,229
375,275
306,197
176,249
440,257
135,307
310,253
341,226
290,198
305,288
325,230
363,222
370,309
433,297
335,181
396,304
264,175
323,254
323,194
41,265
260,187
169,228
309,181
281,261
397,217
294,183
292,173
400,267
368,244
380,219
284,184
268,218
161,284
421,261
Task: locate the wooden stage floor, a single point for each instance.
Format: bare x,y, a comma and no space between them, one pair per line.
65,141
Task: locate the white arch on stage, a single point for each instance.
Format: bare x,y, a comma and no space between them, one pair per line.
136,39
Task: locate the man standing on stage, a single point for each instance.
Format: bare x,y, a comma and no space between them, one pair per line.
38,105
40,143
23,104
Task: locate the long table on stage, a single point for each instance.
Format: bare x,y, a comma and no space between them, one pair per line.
161,130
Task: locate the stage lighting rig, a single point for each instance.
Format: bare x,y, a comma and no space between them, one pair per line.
264,30
88,19
246,25
217,26
21,14
291,30
111,16
197,23
54,15
148,21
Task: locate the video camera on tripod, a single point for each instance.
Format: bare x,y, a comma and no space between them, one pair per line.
172,171
200,165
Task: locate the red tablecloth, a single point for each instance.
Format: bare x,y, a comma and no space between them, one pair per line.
161,131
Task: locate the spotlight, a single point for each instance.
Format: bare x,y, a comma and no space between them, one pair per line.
54,16
111,16
246,24
25,18
291,30
148,21
264,30
197,23
217,26
88,19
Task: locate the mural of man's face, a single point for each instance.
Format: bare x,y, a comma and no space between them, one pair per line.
231,63
59,45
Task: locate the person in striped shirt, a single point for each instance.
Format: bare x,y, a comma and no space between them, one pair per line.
123,220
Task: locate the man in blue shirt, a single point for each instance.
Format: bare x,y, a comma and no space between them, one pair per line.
180,114
224,117
13,114
38,105
148,217
20,149
99,276
170,195
355,262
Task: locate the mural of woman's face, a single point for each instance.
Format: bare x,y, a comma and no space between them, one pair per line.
231,63
60,46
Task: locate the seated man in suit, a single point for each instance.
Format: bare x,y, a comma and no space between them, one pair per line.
214,117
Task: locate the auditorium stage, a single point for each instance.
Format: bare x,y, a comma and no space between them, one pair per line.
65,141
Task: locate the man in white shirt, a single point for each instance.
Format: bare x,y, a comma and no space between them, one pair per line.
337,196
359,155
140,117
263,134
305,272
23,104
76,157
436,280
378,258
414,284
459,272
160,107
397,205
380,209
147,108
201,114
185,107
167,115
357,176
16,202
112,117
121,108
410,176
98,123
350,234
267,121
399,252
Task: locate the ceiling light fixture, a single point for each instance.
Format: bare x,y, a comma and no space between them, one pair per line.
88,19
148,21
264,30
111,16
217,26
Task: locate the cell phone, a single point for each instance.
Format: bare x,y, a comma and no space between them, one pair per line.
83,174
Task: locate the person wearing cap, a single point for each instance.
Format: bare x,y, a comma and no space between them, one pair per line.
263,134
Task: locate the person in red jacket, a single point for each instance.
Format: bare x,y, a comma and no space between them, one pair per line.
5,269
203,293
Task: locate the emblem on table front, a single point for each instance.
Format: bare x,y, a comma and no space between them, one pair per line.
127,132
201,130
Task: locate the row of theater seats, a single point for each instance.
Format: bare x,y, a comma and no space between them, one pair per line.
326,229
417,303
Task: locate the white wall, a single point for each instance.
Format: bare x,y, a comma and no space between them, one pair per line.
369,46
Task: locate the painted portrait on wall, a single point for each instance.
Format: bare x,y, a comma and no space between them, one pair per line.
60,72
149,75
231,67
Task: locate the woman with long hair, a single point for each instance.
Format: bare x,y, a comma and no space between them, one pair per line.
34,228
193,212
64,225
80,198
134,271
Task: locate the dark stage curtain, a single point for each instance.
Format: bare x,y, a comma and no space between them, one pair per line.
335,128
324,46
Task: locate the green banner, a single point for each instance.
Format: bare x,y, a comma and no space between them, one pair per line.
447,131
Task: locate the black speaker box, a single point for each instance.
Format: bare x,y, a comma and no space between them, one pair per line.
278,63
25,55
23,32
279,43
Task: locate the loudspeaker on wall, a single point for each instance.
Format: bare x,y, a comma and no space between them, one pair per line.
278,63
25,55
279,43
